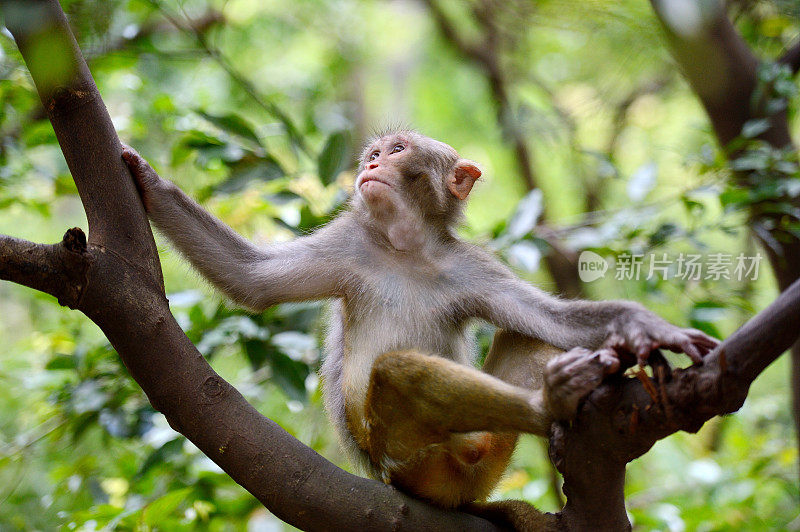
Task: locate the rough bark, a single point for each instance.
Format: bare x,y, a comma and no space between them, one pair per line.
623,418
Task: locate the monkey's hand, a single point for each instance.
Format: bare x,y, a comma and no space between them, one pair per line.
146,179
570,377
638,332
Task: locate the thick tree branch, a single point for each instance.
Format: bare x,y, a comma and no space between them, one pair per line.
82,125
291,480
58,269
623,418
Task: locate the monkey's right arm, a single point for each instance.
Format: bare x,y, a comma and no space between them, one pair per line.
306,268
500,297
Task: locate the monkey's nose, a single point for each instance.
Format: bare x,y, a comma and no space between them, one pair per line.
372,166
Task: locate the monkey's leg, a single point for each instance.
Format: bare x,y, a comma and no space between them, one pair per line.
518,359
415,400
443,431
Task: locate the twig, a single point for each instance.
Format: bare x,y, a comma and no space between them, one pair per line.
647,384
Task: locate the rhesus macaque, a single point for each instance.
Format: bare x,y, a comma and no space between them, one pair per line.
398,378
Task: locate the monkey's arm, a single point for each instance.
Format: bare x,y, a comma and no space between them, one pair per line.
306,268
511,303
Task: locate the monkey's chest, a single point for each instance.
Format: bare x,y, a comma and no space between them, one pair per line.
393,324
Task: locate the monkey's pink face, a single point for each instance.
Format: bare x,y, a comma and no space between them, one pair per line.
383,169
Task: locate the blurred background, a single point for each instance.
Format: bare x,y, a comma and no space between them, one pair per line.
589,140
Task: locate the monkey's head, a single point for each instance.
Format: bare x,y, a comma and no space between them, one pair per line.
404,171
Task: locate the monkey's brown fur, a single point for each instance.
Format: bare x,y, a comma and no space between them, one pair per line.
427,417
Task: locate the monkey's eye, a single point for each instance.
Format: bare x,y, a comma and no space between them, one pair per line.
398,148
373,156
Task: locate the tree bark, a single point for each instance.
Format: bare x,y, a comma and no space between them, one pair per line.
623,418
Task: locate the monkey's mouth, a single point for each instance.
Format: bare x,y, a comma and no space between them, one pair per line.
375,179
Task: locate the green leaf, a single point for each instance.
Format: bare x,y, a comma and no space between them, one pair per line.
61,361
334,157
248,170
161,508
162,455
233,124
198,139
753,128
290,375
734,196
663,233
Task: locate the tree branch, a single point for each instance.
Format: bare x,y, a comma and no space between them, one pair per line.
58,269
82,125
621,420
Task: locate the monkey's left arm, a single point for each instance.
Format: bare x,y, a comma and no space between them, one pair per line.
511,303
309,267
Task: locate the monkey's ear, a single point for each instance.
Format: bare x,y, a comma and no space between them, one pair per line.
463,177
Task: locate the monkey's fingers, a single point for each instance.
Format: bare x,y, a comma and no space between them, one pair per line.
701,339
680,342
615,341
141,170
144,177
609,359
581,368
641,345
561,369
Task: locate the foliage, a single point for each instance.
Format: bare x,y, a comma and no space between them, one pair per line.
258,116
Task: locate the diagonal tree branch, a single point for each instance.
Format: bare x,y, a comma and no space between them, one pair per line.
82,125
623,418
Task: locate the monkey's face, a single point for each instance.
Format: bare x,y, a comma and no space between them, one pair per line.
381,182
405,170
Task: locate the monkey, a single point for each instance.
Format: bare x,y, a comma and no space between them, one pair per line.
398,378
